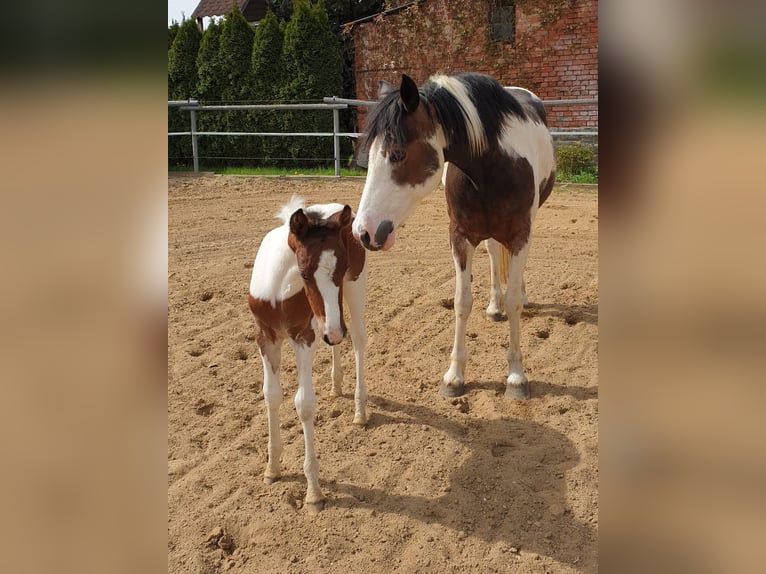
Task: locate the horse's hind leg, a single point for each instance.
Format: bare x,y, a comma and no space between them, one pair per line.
306,406
517,386
495,307
453,384
272,394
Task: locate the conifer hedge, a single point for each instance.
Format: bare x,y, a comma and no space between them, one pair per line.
300,60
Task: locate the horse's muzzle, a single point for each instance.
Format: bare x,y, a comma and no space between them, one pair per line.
383,238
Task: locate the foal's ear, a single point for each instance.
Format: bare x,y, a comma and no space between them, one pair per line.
299,224
409,94
342,218
385,88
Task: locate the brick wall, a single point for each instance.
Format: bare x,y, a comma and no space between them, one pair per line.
555,52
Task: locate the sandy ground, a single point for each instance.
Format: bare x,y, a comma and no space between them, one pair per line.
430,485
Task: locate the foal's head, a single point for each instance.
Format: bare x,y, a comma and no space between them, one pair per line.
406,157
322,261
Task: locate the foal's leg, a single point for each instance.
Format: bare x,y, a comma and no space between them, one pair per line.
306,405
495,307
462,253
354,296
336,372
272,394
517,386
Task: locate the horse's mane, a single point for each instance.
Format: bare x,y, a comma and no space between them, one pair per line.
470,107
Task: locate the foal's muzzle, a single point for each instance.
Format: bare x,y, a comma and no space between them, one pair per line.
336,338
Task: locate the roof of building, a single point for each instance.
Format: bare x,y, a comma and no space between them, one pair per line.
207,8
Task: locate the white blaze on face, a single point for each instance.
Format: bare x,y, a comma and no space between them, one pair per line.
330,291
383,199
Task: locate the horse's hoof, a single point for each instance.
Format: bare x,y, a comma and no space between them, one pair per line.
517,392
496,317
270,479
361,420
315,507
451,391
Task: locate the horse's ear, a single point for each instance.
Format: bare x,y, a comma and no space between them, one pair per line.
409,94
345,216
299,224
341,218
385,88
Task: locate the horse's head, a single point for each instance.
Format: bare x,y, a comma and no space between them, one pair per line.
322,261
406,157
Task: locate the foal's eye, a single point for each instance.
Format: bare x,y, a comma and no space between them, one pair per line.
304,276
397,155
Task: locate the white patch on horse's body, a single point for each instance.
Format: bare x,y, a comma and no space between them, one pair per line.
533,142
275,274
477,138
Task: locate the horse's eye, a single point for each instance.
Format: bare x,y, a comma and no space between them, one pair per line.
397,155
304,276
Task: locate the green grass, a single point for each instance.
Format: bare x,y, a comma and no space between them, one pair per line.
582,177
275,171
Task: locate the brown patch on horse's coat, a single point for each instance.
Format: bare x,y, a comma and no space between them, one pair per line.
500,208
546,187
421,159
291,317
356,254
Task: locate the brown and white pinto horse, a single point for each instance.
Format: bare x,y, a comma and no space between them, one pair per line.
303,271
501,168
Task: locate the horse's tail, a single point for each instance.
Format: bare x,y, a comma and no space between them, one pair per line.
290,207
502,264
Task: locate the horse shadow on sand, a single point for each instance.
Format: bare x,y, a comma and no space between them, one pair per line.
514,475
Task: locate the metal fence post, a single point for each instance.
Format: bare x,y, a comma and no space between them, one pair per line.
195,152
336,139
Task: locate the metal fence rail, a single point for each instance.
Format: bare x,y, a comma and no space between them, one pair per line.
333,104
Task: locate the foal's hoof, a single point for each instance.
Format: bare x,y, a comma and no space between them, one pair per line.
450,391
270,479
517,392
315,507
496,317
361,420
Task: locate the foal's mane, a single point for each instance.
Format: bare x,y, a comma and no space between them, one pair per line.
471,108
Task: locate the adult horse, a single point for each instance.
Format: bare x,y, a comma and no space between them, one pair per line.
501,167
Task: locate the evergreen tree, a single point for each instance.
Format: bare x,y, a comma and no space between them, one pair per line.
312,69
182,85
182,61
209,70
172,31
210,84
266,80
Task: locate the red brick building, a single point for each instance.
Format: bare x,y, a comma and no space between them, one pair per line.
547,46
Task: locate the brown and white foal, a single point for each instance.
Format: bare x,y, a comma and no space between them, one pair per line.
303,271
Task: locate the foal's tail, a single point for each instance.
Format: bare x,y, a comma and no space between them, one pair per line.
290,207
502,264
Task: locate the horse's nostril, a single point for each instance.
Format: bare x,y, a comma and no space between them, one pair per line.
326,340
365,239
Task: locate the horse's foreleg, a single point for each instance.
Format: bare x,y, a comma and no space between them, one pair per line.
517,386
495,307
462,253
336,372
272,394
354,297
306,406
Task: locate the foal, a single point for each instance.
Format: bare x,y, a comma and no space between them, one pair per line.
301,273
